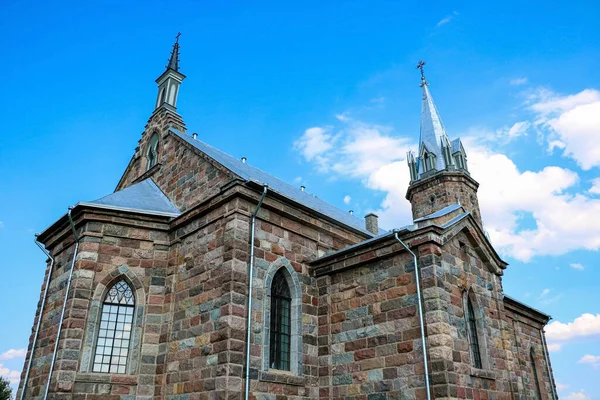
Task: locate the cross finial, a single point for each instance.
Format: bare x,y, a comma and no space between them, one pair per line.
420,66
177,37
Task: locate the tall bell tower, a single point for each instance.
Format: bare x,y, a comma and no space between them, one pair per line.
439,175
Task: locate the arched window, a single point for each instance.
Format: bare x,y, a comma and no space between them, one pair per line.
152,153
281,300
474,340
114,334
534,372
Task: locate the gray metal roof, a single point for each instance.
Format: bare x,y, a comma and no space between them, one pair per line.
144,196
440,213
250,173
455,145
432,130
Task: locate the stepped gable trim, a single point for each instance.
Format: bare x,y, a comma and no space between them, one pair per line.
525,310
254,175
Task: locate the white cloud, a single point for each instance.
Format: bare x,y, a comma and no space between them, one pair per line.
545,297
12,376
561,386
314,144
590,359
447,19
595,189
554,347
577,396
13,353
577,266
347,199
518,81
585,325
570,123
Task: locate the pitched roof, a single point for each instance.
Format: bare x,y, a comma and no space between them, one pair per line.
440,213
250,173
144,196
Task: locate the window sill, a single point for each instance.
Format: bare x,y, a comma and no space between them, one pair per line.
483,373
278,376
100,377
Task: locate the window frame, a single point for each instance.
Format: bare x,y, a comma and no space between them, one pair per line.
474,344
281,323
152,151
128,318
296,347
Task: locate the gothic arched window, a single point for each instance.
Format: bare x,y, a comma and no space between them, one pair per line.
152,153
534,372
114,334
474,340
281,300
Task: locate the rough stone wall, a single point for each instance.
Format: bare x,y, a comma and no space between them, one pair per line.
111,248
369,335
525,337
443,189
181,173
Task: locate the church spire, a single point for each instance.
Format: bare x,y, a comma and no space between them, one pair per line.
174,60
436,152
438,173
170,80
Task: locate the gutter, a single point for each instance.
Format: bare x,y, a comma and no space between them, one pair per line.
250,287
547,360
421,321
39,321
64,307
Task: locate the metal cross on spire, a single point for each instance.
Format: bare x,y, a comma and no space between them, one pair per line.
177,37
174,60
420,66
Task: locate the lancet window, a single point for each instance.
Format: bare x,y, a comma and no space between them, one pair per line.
114,334
281,300
473,338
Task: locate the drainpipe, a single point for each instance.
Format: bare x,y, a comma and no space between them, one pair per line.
421,322
39,322
250,287
546,358
64,307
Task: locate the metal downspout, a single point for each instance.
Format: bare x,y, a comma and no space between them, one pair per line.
250,287
39,322
546,358
421,322
64,307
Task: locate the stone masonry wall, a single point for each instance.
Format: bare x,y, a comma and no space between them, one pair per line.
443,189
110,248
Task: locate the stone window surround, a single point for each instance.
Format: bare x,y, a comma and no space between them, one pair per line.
296,317
484,372
91,331
153,145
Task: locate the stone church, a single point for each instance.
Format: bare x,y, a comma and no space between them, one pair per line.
204,278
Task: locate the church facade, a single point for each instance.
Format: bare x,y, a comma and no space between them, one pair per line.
203,277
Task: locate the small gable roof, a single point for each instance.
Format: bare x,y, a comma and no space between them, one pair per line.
144,196
250,173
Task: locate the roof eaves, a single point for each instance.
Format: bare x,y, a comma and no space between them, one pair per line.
521,304
128,209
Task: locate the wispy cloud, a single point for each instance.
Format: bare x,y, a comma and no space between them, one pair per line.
1,224
446,19
12,376
518,81
13,353
595,189
594,361
577,396
347,199
577,266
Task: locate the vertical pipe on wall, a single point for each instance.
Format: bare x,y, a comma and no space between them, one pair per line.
64,307
420,308
39,321
546,358
250,287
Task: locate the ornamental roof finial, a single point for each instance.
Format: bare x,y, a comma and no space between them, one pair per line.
174,60
420,66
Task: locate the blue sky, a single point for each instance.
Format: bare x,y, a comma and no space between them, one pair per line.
324,95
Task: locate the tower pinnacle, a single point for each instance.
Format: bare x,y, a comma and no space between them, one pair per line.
174,60
170,80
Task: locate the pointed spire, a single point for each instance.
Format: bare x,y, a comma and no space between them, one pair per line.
174,60
433,135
